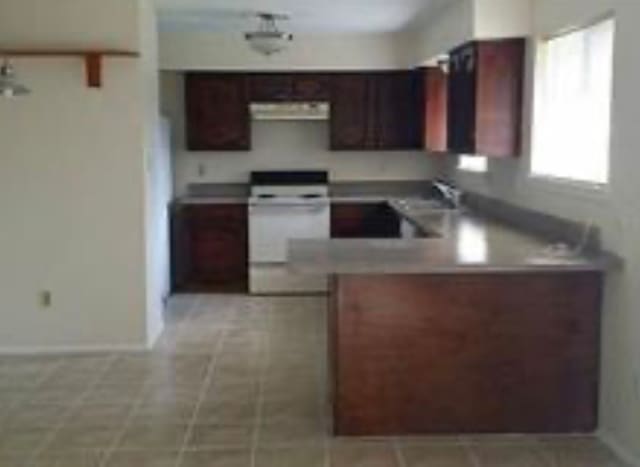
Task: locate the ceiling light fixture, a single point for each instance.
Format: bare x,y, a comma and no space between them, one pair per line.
268,39
9,87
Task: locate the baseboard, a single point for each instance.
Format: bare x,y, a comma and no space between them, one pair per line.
625,454
70,350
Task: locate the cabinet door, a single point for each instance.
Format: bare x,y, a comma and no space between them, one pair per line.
462,100
217,112
499,97
216,246
271,87
436,97
364,220
352,108
311,87
398,114
347,219
180,266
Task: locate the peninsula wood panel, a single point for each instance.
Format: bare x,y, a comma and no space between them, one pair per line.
477,353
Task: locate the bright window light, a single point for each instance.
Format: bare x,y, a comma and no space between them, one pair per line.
572,123
476,164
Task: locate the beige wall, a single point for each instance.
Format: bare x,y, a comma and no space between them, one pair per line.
615,210
72,183
183,50
459,21
438,34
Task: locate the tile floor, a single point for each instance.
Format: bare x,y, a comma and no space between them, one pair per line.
233,382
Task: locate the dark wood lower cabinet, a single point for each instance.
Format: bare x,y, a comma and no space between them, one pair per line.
364,220
477,353
210,248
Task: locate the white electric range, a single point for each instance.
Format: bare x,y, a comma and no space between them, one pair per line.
285,205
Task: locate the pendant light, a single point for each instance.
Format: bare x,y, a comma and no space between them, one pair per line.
268,39
9,86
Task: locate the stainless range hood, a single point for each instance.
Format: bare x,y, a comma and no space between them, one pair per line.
290,111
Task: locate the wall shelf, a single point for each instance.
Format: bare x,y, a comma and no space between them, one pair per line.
93,58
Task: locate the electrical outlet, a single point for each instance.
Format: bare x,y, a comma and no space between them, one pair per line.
46,299
202,169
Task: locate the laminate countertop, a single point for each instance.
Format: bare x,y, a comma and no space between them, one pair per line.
458,242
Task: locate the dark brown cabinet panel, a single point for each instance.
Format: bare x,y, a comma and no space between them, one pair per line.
217,112
485,98
499,98
270,87
311,87
435,111
399,117
465,353
376,111
210,247
283,87
352,105
364,220
347,219
462,100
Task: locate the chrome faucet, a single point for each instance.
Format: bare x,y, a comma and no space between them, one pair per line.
451,196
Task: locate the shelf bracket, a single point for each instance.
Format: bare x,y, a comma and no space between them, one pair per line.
93,59
93,65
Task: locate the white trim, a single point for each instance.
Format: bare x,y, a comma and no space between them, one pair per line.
154,334
621,451
64,350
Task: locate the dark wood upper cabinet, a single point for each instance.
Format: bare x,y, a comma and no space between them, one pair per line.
485,98
376,111
270,87
217,112
398,112
435,110
311,87
282,87
352,104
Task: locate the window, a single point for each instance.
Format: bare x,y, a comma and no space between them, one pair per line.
573,105
476,164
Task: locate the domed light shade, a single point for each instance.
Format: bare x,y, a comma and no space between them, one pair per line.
268,39
9,87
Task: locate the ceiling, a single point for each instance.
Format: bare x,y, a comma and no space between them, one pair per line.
307,16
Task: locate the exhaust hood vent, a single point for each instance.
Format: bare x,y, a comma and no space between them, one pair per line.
290,111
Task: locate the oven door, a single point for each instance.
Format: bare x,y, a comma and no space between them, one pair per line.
273,224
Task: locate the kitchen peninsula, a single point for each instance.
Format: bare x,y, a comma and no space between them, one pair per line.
477,328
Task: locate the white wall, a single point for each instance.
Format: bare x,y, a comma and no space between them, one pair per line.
615,210
72,183
280,145
158,183
459,21
184,50
502,18
437,34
